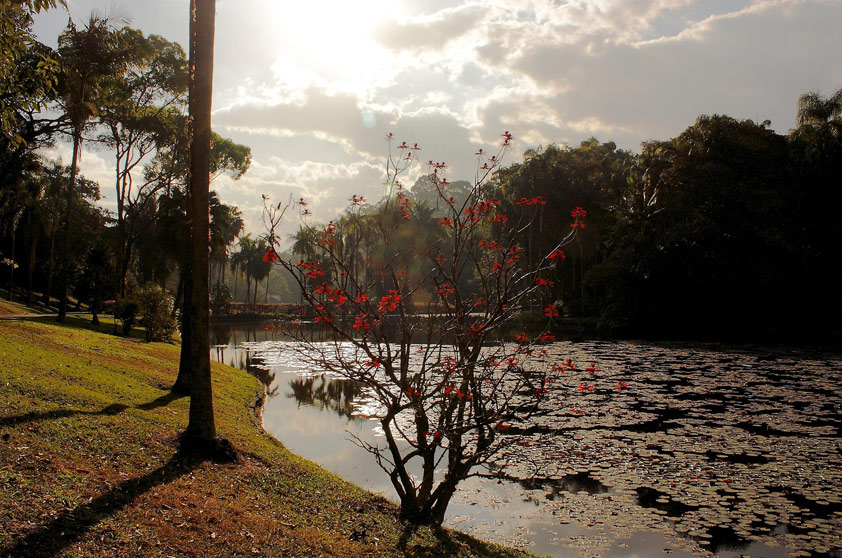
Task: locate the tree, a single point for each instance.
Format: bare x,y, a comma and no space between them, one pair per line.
140,109
201,428
28,91
448,382
87,58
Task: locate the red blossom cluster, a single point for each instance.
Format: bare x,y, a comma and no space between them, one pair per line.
490,244
557,255
390,302
446,289
537,200
311,269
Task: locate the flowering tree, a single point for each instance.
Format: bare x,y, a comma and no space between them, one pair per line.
423,323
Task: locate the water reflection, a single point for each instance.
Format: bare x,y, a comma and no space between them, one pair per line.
711,450
326,394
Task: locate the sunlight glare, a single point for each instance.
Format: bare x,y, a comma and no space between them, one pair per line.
329,43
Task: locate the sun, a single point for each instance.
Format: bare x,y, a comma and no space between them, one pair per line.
330,43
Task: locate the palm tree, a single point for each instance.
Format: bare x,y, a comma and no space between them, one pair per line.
201,428
226,225
88,57
257,266
817,111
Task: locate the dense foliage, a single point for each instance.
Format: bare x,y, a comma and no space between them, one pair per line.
115,89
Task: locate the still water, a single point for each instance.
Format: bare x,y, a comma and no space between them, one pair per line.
710,452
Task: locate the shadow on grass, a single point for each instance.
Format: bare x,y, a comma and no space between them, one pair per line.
448,543
110,410
52,538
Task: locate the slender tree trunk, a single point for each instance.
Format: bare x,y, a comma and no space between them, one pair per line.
12,267
65,271
185,364
201,427
266,293
50,270
179,290
33,244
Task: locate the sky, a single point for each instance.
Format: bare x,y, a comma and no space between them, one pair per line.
313,87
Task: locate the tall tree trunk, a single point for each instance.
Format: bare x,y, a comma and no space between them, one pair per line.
185,363
201,427
266,293
32,245
65,268
48,292
15,220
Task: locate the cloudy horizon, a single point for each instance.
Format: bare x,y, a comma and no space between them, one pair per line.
314,88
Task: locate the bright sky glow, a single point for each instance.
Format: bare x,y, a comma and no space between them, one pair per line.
313,87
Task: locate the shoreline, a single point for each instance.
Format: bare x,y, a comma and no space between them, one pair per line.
93,412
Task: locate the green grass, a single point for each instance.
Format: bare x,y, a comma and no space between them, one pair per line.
89,464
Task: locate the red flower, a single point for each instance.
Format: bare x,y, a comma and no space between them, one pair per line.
557,255
621,386
270,256
446,289
390,302
446,221
521,338
551,311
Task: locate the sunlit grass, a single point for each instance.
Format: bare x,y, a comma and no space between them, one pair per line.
91,414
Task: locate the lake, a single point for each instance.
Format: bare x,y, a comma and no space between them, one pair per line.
711,451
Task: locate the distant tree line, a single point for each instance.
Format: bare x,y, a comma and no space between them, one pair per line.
727,231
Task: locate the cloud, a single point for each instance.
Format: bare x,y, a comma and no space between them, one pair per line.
726,64
428,32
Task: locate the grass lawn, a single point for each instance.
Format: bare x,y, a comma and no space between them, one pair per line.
89,464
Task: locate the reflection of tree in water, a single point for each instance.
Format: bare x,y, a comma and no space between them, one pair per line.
220,333
321,392
244,360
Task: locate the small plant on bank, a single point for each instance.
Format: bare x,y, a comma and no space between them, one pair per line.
151,307
418,301
220,297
